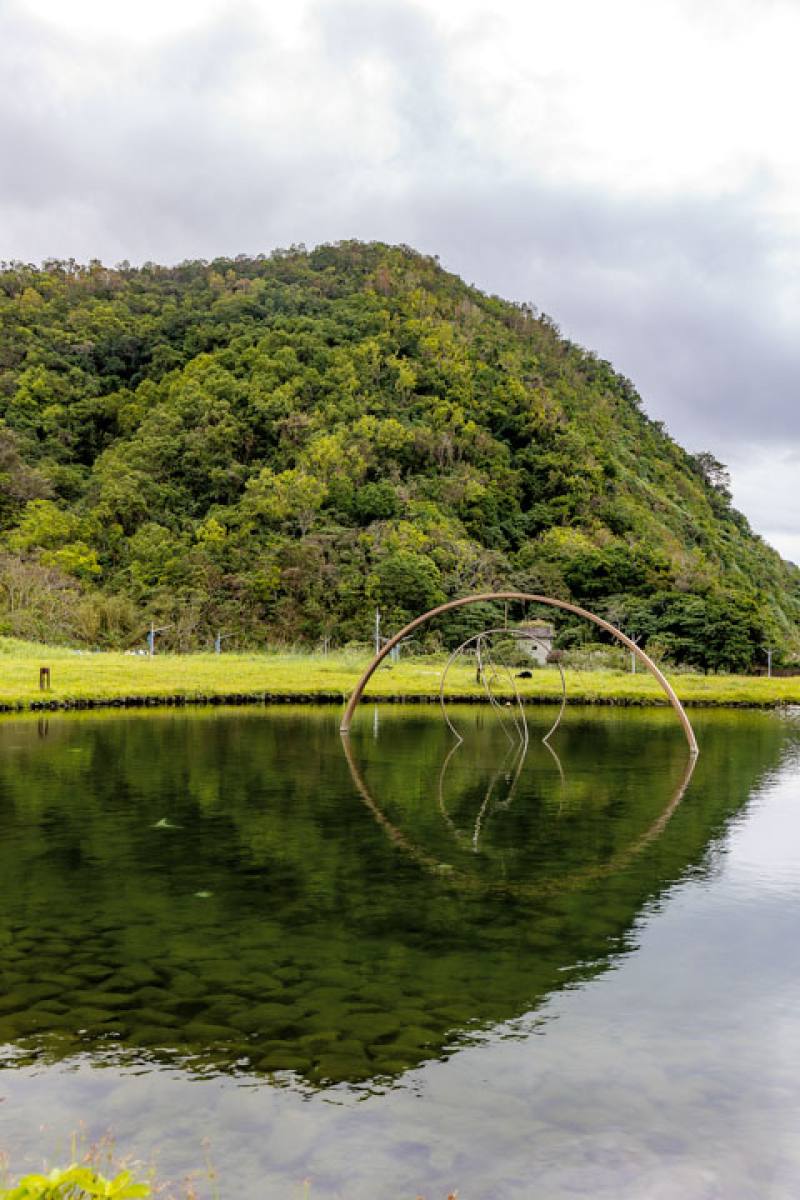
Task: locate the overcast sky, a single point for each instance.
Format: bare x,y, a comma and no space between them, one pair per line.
630,167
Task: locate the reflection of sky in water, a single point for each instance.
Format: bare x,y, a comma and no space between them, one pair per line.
672,1076
767,855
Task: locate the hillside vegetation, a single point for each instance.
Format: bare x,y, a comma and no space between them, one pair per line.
272,447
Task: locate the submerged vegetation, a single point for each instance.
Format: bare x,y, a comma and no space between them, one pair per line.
272,447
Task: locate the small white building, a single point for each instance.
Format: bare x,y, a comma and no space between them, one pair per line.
536,639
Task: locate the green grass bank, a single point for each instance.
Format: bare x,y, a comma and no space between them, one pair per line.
82,680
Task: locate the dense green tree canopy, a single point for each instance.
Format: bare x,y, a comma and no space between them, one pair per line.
276,445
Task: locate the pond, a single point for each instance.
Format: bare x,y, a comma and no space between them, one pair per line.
422,969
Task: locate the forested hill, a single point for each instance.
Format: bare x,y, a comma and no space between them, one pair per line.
271,447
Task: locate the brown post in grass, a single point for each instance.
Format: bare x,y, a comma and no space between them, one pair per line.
44,679
525,598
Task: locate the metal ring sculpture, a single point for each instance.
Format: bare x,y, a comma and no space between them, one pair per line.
525,598
518,635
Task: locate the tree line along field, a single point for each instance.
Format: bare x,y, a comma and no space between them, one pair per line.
102,678
275,446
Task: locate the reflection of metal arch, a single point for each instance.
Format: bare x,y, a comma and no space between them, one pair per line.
576,879
512,778
529,598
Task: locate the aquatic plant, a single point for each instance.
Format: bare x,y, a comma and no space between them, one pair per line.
80,1182
75,1182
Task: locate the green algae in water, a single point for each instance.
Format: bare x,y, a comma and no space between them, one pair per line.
287,922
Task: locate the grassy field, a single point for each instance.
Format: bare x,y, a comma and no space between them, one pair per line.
78,678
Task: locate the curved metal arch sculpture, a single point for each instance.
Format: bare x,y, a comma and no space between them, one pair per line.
525,598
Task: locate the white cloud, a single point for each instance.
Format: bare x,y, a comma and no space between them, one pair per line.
142,21
766,485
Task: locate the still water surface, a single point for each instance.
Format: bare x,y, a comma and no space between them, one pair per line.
578,976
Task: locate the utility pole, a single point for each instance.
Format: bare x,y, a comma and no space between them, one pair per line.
769,662
635,641
218,640
151,637
377,631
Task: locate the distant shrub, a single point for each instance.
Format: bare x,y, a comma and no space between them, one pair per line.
594,656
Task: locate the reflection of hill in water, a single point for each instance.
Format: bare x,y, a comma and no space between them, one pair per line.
269,923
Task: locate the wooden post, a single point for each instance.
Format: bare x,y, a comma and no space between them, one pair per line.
44,679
